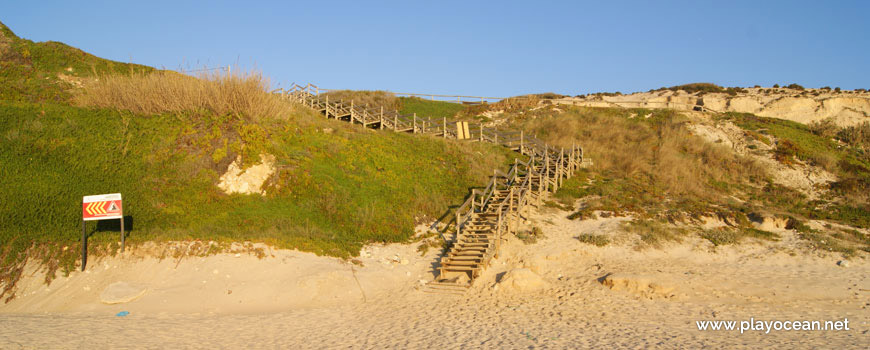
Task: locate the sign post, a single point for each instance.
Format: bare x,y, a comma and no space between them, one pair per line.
100,207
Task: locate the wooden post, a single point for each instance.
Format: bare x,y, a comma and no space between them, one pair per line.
415,123
458,227
351,112
444,128
123,238
84,246
396,121
571,161
327,107
561,165
382,117
521,142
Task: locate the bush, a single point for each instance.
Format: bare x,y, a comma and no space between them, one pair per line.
856,135
795,86
825,128
786,151
776,86
596,240
698,87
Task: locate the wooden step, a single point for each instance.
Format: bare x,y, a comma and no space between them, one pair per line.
451,262
460,268
474,258
467,253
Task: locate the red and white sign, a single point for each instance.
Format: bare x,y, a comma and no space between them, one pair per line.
102,207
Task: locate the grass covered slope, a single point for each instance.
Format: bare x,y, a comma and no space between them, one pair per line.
45,71
337,186
333,191
163,140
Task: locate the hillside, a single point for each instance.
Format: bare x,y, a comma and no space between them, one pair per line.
330,187
725,177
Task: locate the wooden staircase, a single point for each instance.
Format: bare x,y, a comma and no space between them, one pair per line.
487,216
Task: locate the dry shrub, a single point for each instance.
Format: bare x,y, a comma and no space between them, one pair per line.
366,98
856,135
244,94
825,128
659,151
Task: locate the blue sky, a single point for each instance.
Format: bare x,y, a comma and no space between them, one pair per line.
499,48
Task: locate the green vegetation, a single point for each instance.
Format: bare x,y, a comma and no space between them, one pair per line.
429,108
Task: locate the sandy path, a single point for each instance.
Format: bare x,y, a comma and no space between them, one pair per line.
319,305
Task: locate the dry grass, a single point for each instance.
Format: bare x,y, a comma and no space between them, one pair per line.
242,94
659,150
367,98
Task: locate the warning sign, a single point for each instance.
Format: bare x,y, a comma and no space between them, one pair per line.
102,207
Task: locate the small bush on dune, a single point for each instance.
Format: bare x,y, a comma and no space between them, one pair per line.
596,240
824,128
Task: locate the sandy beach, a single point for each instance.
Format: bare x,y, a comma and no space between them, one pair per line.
298,300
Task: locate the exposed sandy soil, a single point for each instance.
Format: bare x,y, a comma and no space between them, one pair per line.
298,300
810,180
844,108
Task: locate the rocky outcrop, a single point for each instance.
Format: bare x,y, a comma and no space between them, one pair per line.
250,180
845,108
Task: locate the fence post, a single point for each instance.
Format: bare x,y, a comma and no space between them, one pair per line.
382,117
327,107
396,121
458,226
351,112
415,123
444,127
521,142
